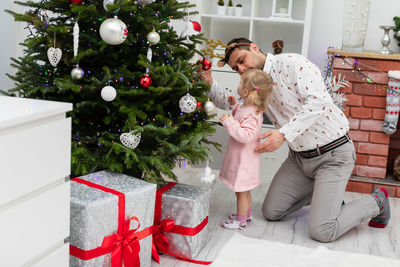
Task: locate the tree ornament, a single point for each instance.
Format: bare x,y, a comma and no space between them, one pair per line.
113,31
145,81
187,103
206,64
107,2
199,105
144,2
108,93
188,31
78,2
54,54
130,139
153,37
77,73
209,106
196,26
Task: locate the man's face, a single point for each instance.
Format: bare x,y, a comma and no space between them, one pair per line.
242,59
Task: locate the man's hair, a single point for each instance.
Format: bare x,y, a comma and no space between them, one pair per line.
236,43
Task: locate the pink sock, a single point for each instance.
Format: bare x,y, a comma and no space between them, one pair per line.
249,213
241,219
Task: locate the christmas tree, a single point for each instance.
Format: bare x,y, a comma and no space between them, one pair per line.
125,76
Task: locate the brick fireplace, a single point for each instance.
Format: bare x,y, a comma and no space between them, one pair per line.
365,109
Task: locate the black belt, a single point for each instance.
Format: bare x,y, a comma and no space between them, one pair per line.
323,149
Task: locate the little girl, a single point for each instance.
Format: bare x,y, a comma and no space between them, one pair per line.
241,166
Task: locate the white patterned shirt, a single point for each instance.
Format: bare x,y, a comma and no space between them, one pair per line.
301,107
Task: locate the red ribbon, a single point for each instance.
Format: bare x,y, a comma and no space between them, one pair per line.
123,245
160,241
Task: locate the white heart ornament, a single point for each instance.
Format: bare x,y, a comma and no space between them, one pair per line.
54,55
130,140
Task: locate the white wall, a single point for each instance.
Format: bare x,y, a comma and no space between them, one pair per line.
11,35
326,31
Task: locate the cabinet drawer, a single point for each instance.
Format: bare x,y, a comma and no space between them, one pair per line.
33,155
35,225
59,258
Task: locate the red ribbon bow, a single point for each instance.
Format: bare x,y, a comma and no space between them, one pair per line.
125,246
160,241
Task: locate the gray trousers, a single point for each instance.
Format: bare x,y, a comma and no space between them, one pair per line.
320,181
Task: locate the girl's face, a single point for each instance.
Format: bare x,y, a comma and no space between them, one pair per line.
243,92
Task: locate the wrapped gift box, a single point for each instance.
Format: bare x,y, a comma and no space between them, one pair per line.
187,206
94,213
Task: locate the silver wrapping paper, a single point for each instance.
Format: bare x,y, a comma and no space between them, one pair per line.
94,213
187,206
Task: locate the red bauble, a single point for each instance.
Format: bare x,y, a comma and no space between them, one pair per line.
145,81
79,2
199,105
196,26
206,64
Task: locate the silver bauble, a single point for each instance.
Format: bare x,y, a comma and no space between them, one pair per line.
209,107
108,2
153,37
113,31
108,93
77,73
144,2
188,103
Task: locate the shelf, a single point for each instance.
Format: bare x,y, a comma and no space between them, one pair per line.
216,16
365,54
279,20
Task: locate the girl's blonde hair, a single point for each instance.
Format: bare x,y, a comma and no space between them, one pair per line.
260,85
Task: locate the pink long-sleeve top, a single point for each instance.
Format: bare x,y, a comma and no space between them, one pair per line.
241,166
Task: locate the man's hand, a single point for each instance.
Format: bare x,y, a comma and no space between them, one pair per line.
232,100
205,75
224,117
274,141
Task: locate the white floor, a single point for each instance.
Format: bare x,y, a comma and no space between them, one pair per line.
362,239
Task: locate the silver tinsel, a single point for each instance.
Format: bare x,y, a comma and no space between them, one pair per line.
94,213
187,206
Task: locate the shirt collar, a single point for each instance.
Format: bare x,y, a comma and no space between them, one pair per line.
268,63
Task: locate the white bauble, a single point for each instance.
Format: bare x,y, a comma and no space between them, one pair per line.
108,93
77,73
187,103
113,31
153,37
209,107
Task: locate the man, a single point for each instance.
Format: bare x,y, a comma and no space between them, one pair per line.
321,156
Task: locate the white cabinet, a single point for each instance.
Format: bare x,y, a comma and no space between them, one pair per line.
35,152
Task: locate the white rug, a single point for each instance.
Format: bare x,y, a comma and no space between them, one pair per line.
242,251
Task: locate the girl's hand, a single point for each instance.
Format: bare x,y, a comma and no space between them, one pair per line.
232,100
224,117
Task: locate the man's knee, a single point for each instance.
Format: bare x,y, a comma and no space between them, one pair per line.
325,232
272,213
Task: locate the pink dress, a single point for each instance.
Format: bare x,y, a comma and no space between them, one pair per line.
241,166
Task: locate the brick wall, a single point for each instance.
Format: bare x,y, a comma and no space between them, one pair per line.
365,109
